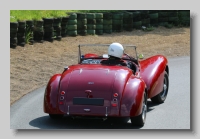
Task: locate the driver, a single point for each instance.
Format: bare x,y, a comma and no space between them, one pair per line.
115,53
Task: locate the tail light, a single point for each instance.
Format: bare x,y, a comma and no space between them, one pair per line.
115,95
62,93
61,102
62,97
114,102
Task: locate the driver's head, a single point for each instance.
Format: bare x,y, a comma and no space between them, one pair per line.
116,50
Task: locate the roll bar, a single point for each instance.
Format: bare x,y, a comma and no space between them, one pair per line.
125,45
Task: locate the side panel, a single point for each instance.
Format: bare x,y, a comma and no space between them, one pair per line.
51,95
152,72
131,103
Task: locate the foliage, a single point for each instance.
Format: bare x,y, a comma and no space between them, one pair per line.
28,35
22,15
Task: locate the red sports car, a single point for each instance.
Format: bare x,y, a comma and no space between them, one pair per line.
96,87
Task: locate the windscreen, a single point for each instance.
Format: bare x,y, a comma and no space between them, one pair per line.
101,50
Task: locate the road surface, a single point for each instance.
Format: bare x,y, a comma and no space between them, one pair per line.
27,113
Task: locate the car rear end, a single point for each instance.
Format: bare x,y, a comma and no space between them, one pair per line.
91,92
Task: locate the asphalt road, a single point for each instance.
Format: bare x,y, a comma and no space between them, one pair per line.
27,113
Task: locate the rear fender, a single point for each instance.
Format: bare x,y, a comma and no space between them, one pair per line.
51,95
131,103
152,72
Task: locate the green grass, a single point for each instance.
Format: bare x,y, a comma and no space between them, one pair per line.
23,15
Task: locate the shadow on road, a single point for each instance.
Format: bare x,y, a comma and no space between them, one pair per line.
46,122
150,106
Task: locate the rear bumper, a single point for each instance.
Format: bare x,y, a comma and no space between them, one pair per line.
88,110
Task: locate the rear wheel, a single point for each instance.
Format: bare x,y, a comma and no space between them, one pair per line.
140,120
56,116
160,98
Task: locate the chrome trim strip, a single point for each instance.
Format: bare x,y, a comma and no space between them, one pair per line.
106,112
68,110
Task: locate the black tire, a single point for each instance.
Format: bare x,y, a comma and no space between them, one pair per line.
65,19
137,24
13,30
107,15
57,28
39,23
56,116
99,27
153,11
63,26
57,33
144,14
48,25
72,33
128,15
153,16
99,15
13,40
20,34
22,44
81,22
22,24
56,24
13,46
163,14
140,120
90,16
161,97
14,24
82,32
184,13
29,22
91,32
117,27
38,29
58,38
107,21
83,27
72,22
73,16
118,16
21,29
117,22
91,27
172,19
109,31
13,35
107,27
127,21
128,27
48,29
81,16
57,20
91,21
173,13
99,21
71,27
163,19
145,22
48,20
136,16
99,32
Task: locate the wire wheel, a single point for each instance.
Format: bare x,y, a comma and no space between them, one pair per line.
140,119
161,97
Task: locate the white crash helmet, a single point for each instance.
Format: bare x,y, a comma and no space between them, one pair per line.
116,50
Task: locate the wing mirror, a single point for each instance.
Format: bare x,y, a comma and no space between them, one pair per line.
141,56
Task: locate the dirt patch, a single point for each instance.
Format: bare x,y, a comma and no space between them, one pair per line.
32,66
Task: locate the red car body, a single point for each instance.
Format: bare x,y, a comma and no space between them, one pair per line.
101,90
